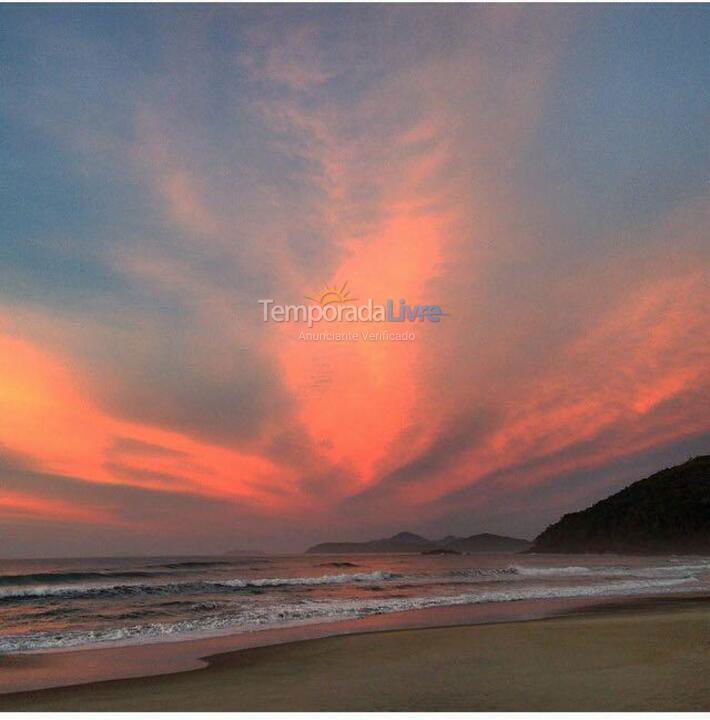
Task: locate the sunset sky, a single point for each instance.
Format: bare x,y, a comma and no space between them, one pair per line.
540,172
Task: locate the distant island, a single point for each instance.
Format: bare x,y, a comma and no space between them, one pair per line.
407,542
668,512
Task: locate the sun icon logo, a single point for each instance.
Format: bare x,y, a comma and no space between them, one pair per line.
333,296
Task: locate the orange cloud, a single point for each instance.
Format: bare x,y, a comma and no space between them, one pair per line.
48,415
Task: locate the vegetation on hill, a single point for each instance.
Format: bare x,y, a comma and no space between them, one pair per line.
668,512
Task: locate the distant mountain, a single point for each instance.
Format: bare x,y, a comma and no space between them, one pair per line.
409,539
488,543
668,512
404,542
407,542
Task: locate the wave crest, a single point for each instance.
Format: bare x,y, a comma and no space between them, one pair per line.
91,591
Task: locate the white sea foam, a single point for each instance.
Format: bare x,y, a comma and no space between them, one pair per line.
323,610
339,579
93,590
661,571
550,571
485,573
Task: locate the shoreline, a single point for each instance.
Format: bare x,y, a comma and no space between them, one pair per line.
141,684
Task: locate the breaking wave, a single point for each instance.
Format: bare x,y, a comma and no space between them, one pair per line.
173,588
665,571
194,564
65,577
314,611
485,573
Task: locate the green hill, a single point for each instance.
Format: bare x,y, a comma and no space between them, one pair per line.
668,512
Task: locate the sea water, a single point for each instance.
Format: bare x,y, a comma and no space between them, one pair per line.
72,603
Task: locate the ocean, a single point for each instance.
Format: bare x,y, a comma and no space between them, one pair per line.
48,605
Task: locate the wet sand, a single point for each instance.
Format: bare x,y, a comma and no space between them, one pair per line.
617,659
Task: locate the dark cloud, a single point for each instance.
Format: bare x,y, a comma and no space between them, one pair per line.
503,502
133,446
163,520
460,435
149,477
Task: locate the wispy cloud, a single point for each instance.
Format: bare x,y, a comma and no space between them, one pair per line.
194,160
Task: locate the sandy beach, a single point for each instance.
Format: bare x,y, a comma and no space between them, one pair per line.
616,659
